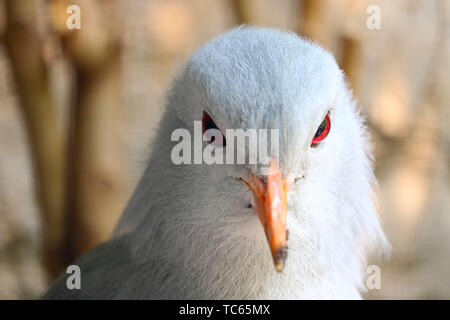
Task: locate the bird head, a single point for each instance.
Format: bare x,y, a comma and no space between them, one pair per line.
319,185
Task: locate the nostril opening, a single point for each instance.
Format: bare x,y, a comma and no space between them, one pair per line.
249,206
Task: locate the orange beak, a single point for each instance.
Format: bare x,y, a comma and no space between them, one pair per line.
270,199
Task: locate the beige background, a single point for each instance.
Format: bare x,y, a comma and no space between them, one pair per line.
401,81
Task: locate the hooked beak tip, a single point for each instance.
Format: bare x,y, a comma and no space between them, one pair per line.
280,258
279,267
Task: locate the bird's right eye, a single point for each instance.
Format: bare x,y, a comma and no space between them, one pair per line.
209,124
322,131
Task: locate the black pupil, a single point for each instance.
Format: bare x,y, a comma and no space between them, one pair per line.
322,127
209,124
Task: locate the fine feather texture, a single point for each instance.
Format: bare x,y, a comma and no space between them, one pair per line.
187,232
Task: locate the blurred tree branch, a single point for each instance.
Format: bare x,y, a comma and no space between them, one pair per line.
242,10
351,59
314,21
23,46
79,187
95,180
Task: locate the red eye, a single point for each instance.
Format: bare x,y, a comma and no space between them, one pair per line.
322,131
207,124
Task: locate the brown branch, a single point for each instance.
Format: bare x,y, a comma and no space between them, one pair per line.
314,21
95,183
23,46
242,11
351,60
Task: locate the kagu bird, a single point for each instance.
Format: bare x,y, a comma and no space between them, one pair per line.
195,231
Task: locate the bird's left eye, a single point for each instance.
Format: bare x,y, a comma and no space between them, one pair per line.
322,131
211,131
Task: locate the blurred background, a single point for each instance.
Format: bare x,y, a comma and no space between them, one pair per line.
78,109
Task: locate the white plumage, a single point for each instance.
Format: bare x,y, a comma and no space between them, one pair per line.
187,231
